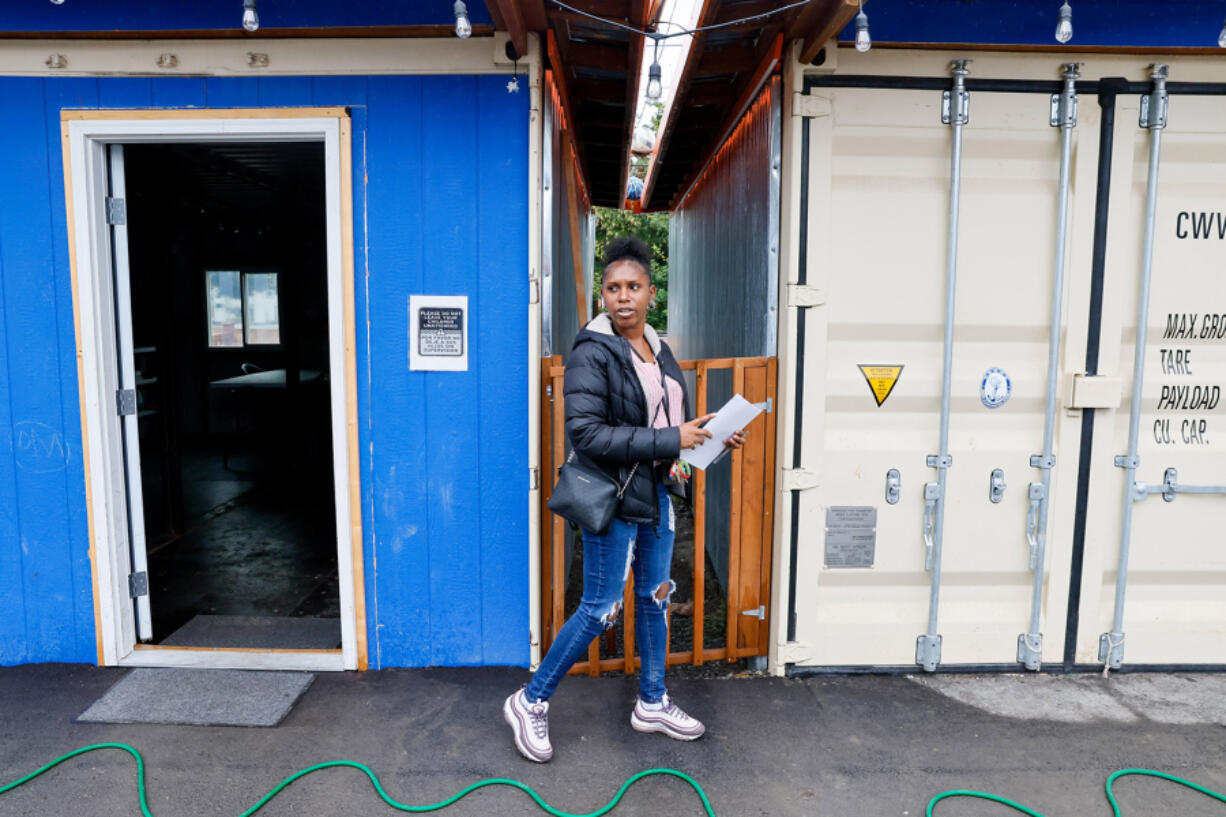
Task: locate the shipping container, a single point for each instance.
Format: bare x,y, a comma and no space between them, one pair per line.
995,211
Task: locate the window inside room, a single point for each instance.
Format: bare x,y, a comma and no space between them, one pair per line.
243,309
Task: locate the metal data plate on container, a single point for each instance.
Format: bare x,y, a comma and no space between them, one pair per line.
851,536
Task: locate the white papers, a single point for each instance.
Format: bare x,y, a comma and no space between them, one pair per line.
734,416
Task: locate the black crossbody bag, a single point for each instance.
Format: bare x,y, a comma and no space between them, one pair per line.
587,496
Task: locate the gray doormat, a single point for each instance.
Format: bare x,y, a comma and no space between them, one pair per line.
200,697
258,632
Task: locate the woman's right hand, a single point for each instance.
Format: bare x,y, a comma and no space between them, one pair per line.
691,435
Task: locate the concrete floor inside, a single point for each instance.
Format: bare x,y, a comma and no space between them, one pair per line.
256,566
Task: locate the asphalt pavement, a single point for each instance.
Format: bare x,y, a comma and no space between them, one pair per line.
828,746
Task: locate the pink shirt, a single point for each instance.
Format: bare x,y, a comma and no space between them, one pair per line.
649,376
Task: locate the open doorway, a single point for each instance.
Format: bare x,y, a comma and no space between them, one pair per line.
229,312
212,264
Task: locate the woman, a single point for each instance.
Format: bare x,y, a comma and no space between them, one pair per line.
626,410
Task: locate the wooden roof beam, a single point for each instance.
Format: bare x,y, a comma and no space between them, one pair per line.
640,11
749,94
817,29
512,15
706,16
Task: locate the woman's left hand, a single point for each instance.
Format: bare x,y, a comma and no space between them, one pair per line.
737,439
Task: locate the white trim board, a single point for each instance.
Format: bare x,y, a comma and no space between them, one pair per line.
255,58
92,264
305,660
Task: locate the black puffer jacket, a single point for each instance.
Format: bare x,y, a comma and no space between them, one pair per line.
606,414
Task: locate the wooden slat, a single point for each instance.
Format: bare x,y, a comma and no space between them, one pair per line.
576,243
593,658
700,519
750,556
559,524
733,607
768,506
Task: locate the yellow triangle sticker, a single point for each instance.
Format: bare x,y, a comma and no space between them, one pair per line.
881,379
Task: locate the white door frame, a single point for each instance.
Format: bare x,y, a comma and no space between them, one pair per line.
86,137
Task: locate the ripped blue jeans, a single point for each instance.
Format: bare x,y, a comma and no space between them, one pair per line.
608,559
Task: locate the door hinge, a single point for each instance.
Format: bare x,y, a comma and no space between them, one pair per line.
802,295
138,584
116,210
797,479
125,402
534,479
758,613
809,106
791,652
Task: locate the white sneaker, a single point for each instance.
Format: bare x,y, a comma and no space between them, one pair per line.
530,723
665,716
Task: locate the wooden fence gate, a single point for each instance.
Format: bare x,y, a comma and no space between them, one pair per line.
738,614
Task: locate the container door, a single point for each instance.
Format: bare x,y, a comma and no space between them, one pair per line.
872,358
127,397
1174,600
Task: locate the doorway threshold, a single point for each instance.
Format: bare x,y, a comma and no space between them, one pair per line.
157,655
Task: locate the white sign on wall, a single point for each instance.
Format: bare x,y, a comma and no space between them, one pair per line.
438,333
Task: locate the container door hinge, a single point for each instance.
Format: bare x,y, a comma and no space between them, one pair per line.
809,106
802,295
138,584
534,479
116,211
759,613
791,652
125,402
797,479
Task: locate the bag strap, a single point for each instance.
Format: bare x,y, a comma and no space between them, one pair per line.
621,490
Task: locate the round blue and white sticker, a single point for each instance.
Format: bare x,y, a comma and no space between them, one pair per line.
995,388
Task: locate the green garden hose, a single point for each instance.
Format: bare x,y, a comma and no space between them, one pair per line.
263,801
536,798
1115,806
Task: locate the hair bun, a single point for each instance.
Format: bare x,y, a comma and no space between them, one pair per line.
628,248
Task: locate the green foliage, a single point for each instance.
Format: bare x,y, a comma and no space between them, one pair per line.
652,228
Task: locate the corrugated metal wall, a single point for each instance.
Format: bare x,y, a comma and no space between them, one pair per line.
444,211
723,281
560,322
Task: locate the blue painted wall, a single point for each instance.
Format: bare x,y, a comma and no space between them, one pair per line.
178,15
1157,23
444,456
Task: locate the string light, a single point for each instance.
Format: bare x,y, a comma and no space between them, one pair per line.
251,19
1064,28
655,88
863,41
1221,37
463,28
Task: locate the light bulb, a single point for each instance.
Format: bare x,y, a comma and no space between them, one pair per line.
1221,37
57,2
655,88
1064,28
463,28
251,20
863,41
